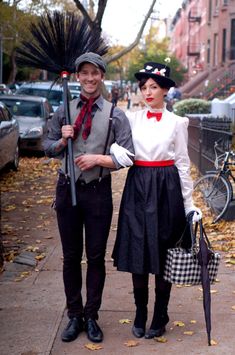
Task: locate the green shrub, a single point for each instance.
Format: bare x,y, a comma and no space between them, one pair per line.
191,106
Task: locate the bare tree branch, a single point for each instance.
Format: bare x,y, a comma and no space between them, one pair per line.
84,12
100,13
96,25
126,50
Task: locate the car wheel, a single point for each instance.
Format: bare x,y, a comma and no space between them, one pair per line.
15,162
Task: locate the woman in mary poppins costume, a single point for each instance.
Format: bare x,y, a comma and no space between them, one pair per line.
156,199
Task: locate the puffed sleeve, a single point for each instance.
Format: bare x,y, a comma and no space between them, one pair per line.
182,160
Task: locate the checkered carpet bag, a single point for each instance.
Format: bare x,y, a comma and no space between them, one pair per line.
182,266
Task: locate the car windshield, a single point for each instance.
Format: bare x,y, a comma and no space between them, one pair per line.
24,108
54,96
75,87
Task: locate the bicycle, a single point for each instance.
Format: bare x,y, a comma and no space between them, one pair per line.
214,190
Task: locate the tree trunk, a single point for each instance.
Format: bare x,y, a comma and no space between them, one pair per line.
13,72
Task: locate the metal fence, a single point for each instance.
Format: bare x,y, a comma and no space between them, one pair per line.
203,132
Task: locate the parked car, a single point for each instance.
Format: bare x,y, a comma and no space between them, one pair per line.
109,84
5,90
9,138
54,93
74,88
33,114
13,87
107,88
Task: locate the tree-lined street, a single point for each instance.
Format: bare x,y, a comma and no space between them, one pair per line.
32,301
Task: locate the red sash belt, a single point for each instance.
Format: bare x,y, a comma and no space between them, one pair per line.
154,163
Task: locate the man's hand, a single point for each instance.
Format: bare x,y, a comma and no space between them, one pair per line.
87,161
67,132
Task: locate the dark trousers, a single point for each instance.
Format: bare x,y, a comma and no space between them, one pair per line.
93,213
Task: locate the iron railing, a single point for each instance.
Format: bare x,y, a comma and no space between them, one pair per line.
203,132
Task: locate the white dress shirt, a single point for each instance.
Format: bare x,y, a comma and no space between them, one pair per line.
166,139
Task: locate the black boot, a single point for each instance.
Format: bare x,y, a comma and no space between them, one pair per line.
160,315
141,301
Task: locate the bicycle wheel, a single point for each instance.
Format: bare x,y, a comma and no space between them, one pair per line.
212,192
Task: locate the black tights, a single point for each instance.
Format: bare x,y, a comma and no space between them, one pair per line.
162,297
141,281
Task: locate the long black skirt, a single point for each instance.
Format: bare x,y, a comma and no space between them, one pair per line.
151,219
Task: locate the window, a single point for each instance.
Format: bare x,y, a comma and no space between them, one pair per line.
4,114
224,45
210,11
216,10
208,51
232,40
2,117
24,108
215,54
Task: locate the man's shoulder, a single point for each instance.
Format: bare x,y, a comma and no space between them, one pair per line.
106,102
119,113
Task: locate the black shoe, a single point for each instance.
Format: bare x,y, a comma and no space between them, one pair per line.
152,333
94,333
138,332
74,327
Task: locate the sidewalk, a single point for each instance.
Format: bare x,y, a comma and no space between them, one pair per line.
32,311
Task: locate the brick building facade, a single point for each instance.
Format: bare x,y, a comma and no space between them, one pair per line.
203,39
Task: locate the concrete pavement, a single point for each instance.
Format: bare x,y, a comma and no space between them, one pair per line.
32,311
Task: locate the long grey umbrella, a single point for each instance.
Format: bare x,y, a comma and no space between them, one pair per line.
204,256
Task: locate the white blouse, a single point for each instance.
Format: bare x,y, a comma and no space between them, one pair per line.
166,139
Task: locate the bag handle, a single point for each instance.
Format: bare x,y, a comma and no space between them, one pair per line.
192,233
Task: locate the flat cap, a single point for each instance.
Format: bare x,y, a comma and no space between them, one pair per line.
92,58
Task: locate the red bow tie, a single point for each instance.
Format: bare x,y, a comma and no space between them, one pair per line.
157,115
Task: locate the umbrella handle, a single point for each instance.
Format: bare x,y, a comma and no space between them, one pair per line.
70,143
203,234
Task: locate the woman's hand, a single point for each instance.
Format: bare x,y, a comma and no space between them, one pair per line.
197,213
122,155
